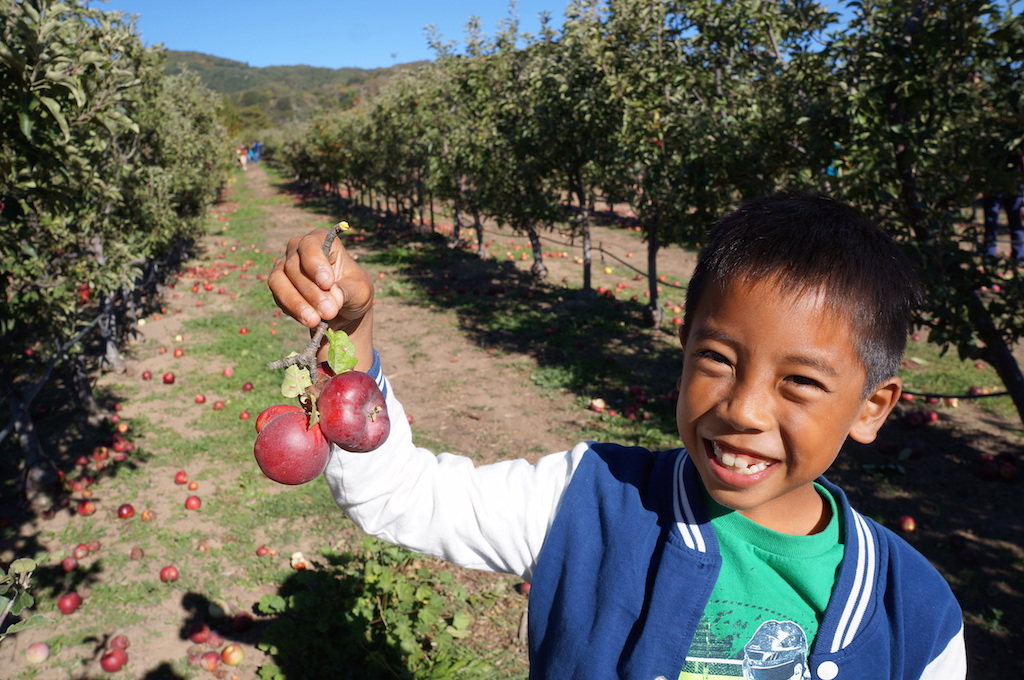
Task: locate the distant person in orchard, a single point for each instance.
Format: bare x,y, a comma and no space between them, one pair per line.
243,157
731,556
1010,199
257,147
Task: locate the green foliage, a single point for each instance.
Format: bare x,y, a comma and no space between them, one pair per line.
685,109
378,612
106,168
15,596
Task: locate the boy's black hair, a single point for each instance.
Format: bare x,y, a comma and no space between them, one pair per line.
803,242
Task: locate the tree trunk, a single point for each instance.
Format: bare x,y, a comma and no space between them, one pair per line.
457,216
112,359
997,353
39,476
586,210
478,226
652,312
83,390
538,269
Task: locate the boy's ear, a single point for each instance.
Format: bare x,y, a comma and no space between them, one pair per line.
875,410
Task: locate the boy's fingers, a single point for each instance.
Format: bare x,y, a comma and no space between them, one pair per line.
290,299
294,291
310,287
308,253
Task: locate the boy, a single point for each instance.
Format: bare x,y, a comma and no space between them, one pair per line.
731,557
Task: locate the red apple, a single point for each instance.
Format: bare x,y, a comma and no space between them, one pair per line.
136,553
209,661
353,414
120,642
68,604
218,405
907,524
268,414
178,352
81,550
126,511
193,485
290,451
69,564
146,375
198,632
38,652
169,574
180,477
168,378
113,660
232,654
86,507
215,640
200,399
193,503
228,372
262,551
242,622
94,545
243,330
247,387
244,415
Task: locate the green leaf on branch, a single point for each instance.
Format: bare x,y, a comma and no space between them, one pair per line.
23,565
296,380
341,353
34,621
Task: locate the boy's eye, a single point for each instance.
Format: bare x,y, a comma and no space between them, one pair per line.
803,380
712,355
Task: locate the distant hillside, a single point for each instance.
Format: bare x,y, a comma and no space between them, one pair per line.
281,93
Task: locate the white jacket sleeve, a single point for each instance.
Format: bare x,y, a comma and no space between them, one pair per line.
491,517
951,664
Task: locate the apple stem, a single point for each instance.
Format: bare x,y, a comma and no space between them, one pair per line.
307,357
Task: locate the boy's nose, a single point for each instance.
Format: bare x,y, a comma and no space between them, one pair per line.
746,408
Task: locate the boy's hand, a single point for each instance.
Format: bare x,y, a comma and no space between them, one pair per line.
310,288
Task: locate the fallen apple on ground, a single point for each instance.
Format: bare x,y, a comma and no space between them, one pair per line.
37,652
69,603
232,655
113,660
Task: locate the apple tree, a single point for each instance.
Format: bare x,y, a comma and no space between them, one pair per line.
104,165
930,97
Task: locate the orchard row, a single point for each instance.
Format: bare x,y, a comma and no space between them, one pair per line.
107,167
681,111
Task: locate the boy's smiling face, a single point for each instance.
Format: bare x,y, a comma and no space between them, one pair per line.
772,385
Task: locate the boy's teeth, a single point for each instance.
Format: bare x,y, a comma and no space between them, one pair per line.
738,464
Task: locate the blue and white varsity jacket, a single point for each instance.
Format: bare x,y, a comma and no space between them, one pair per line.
622,557
631,558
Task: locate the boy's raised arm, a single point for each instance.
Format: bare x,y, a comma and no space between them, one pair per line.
312,288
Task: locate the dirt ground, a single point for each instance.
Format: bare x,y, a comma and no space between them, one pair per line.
482,402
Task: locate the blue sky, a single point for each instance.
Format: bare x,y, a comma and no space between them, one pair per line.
330,33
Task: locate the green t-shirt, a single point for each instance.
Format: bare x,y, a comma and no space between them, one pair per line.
769,599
